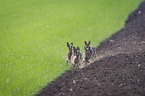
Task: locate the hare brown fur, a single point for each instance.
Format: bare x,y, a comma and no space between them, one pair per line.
69,53
75,59
89,52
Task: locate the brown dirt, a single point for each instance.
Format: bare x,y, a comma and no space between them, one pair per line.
118,70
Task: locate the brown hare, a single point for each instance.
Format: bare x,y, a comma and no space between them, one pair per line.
69,53
89,52
75,59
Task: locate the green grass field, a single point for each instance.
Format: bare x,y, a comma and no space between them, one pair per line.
33,36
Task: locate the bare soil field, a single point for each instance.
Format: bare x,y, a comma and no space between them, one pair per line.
118,69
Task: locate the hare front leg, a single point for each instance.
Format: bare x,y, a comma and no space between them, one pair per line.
72,68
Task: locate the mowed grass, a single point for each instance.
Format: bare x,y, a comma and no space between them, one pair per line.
33,36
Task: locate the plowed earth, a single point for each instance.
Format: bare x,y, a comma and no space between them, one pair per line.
118,70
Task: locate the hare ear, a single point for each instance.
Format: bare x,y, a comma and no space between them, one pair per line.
68,45
74,49
85,43
89,43
71,45
78,48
